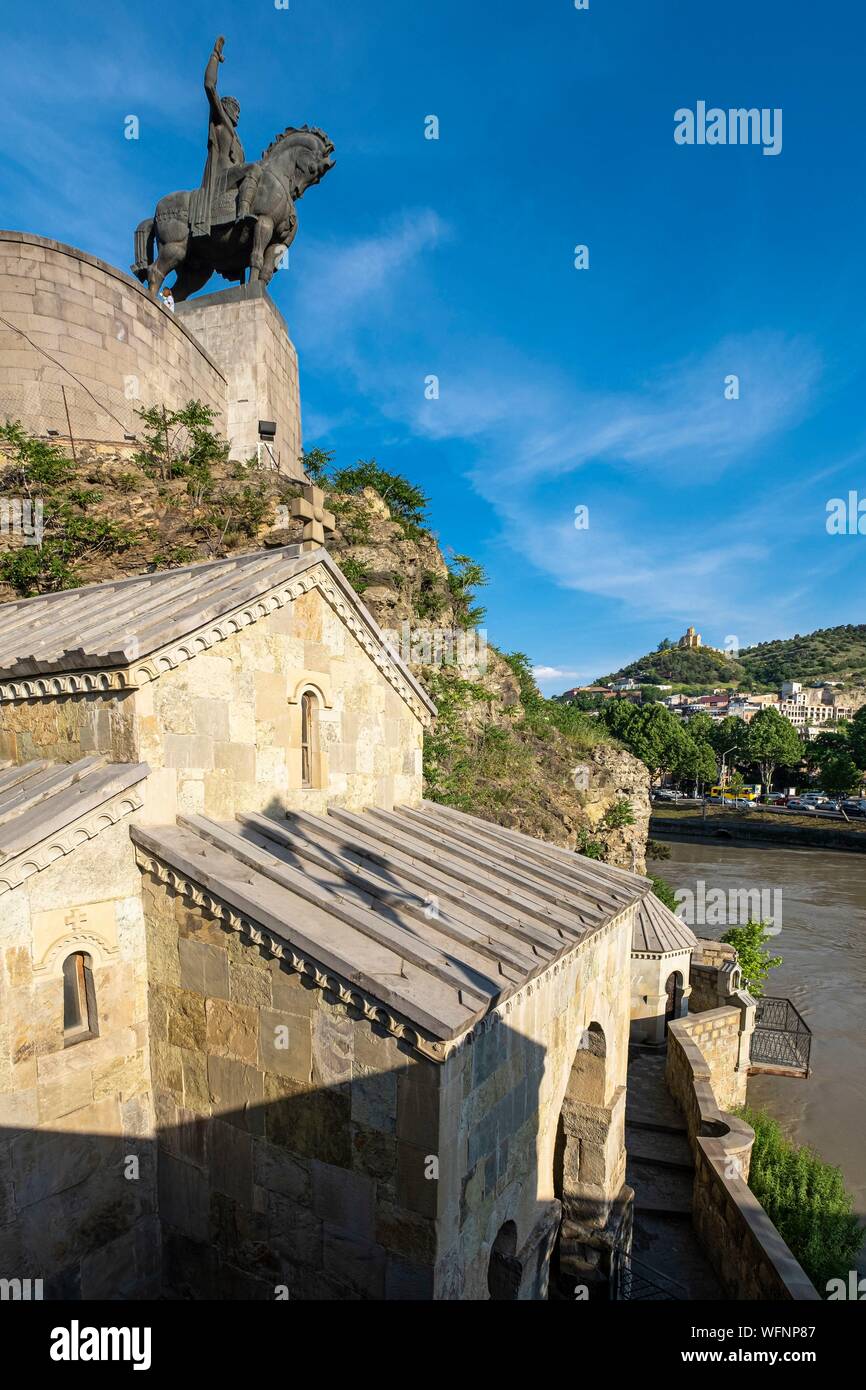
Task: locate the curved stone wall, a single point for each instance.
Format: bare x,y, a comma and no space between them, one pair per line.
82,346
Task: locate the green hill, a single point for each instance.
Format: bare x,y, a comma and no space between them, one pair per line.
682,666
831,653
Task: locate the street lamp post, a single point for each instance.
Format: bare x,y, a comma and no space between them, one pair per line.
732,749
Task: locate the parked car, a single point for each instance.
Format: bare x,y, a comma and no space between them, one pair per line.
814,798
854,806
797,803
667,794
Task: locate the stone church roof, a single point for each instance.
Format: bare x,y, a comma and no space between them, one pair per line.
47,809
658,931
122,632
429,913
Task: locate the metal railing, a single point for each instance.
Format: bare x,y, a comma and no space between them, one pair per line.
782,1037
638,1282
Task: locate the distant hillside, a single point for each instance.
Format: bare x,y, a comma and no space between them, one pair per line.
682,666
831,653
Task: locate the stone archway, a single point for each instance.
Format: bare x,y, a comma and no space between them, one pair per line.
589,1171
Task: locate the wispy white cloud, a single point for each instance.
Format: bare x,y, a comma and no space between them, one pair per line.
549,673
542,442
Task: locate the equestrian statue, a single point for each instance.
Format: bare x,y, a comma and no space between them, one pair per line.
242,217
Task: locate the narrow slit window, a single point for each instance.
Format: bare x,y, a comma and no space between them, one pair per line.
309,735
79,999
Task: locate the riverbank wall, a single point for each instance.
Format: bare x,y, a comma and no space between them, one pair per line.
739,830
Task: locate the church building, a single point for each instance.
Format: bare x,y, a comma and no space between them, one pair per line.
272,1025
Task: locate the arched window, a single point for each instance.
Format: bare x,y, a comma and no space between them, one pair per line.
79,999
309,739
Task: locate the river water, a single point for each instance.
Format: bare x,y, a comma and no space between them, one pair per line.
823,946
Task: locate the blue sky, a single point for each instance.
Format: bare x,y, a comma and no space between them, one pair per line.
558,387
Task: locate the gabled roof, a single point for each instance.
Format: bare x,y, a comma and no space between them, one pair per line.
426,915
122,633
47,809
658,931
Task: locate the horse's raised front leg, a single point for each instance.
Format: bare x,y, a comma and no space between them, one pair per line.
170,257
263,232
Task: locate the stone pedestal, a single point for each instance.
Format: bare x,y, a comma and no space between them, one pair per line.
244,332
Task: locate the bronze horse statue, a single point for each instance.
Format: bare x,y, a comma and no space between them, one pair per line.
293,162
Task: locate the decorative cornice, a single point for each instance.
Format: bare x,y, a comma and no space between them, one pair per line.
349,996
656,955
62,842
45,687
139,673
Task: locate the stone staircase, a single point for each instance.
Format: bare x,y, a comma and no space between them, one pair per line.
660,1169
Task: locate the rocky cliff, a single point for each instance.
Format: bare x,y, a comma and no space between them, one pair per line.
498,749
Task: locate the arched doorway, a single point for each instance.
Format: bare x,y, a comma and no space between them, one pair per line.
590,1173
588,1170
504,1269
673,997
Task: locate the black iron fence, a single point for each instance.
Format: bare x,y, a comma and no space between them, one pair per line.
782,1037
638,1282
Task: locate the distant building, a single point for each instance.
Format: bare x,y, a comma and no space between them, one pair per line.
814,707
690,639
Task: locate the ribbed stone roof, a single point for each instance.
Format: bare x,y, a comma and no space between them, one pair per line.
117,623
40,799
434,913
658,931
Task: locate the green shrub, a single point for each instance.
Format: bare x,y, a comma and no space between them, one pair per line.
664,892
37,569
406,502
357,574
587,846
806,1200
755,961
618,815
35,464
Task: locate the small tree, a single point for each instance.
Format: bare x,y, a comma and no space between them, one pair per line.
755,961
35,464
464,577
181,443
736,783
315,463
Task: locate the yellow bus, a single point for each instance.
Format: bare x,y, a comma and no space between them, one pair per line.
725,794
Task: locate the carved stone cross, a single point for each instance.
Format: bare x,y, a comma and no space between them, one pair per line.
310,508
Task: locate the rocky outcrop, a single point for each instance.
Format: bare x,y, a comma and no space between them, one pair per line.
497,750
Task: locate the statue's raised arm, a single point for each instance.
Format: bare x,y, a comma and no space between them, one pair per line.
210,81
